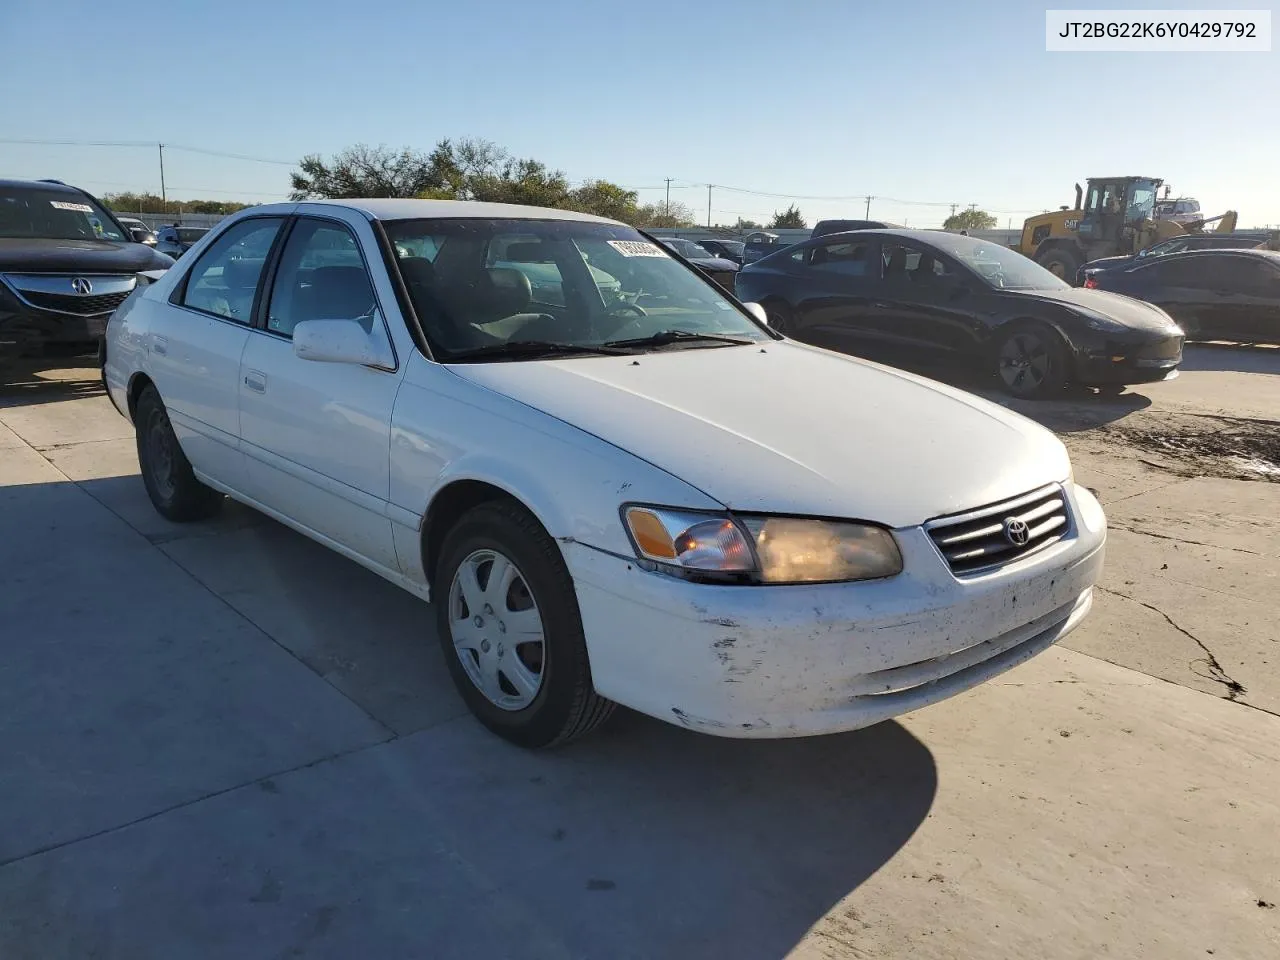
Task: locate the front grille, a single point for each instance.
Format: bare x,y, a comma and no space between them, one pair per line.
81,306
1002,532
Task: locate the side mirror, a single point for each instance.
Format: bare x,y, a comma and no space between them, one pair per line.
339,341
758,312
138,234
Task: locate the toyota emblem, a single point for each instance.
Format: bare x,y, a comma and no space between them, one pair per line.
82,286
1016,531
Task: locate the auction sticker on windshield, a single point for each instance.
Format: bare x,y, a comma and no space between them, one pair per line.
636,248
64,205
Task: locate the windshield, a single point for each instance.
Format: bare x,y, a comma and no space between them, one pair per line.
998,266
1142,203
54,215
479,284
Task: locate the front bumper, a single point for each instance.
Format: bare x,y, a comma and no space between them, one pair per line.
1145,360
23,326
788,661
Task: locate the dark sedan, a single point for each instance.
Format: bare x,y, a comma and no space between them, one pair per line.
1212,294
1192,241
938,296
718,269
724,249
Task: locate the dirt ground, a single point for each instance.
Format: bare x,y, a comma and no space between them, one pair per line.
222,740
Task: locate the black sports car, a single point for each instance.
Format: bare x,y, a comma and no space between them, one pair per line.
934,295
1212,294
1192,241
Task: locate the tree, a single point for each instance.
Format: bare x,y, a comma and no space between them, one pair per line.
128,202
674,214
789,219
971,219
746,225
363,171
604,199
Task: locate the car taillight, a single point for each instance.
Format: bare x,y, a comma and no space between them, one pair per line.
1090,283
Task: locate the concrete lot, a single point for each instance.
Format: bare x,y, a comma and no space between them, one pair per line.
221,740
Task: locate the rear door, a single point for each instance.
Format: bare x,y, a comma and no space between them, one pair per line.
833,292
195,342
1246,300
1179,284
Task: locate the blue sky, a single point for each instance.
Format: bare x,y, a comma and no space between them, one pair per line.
939,102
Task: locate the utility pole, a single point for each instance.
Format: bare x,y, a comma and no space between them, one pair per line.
708,206
867,215
668,209
953,209
163,198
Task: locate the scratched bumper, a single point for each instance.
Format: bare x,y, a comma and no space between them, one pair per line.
798,660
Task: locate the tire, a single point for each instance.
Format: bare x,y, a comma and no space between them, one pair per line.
1062,262
171,484
543,695
780,320
1031,362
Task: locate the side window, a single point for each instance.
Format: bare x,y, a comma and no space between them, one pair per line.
1244,274
321,277
850,259
1190,272
224,280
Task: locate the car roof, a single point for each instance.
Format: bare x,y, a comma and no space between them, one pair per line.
42,185
1220,252
926,237
398,209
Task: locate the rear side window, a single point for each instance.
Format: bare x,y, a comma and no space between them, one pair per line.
851,259
225,279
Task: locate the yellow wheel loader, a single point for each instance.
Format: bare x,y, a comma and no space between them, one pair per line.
1114,217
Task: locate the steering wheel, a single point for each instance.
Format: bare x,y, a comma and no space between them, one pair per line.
619,311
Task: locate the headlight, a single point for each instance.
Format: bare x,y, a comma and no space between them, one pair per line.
761,549
1105,324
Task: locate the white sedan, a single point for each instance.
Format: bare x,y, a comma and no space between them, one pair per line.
640,496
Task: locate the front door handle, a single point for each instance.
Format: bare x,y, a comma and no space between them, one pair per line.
256,381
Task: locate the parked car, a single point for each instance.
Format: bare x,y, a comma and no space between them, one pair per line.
720,270
1212,294
926,295
1182,210
826,227
65,264
138,230
175,240
626,501
1206,241
536,261
759,245
724,249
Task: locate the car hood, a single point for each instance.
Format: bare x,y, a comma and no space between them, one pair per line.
25,254
1136,314
787,428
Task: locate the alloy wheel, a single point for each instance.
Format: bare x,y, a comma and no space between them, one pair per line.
497,629
1024,362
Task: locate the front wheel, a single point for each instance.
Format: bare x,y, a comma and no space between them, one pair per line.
1031,363
508,622
166,473
1062,263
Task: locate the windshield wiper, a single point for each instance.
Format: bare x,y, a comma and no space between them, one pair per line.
664,337
530,349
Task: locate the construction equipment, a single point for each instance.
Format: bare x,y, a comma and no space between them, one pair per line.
1116,217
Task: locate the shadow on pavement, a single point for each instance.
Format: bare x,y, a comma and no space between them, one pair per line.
1231,357
33,380
262,822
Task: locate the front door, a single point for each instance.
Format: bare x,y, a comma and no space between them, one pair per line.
316,436
833,308
195,343
923,303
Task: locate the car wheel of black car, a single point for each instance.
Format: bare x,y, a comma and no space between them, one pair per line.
1062,263
166,473
780,318
1031,362
508,622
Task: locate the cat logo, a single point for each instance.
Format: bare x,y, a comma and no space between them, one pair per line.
1072,224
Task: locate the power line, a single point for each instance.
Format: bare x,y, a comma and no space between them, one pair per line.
144,143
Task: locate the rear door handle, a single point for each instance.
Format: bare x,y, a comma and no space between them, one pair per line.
160,345
256,381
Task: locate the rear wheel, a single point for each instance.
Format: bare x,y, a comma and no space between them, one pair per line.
508,622
1062,262
1031,362
166,473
